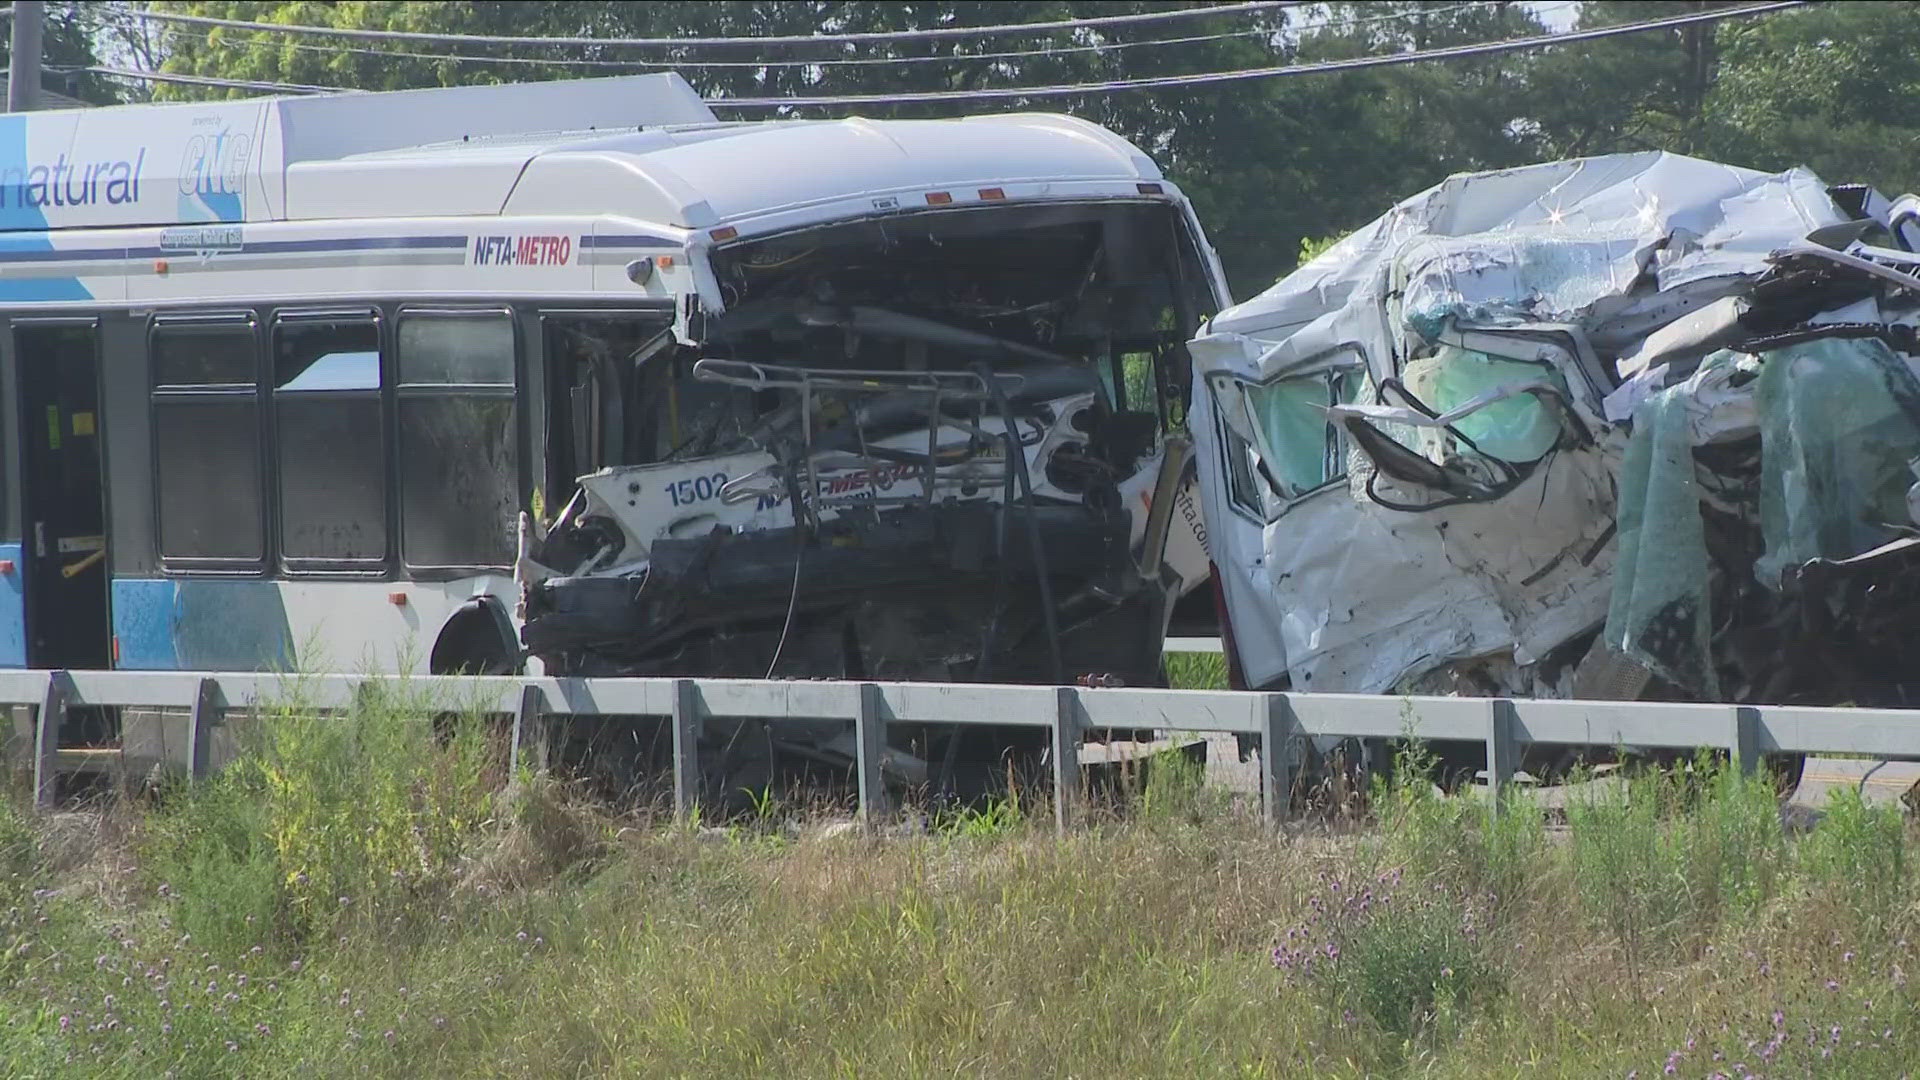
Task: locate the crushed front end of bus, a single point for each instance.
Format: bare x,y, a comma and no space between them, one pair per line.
1629,427
941,447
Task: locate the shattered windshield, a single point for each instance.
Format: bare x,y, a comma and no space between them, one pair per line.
1300,445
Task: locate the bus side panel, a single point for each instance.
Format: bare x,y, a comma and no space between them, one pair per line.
13,609
201,624
379,626
13,601
237,624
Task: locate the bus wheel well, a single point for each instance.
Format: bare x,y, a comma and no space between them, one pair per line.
476,640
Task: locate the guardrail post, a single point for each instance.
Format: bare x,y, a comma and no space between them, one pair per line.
207,702
46,738
1743,739
1066,755
870,741
1273,716
1503,750
527,725
686,748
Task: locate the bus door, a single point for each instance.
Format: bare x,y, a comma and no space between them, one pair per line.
64,549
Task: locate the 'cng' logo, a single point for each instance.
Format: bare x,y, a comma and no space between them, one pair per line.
213,174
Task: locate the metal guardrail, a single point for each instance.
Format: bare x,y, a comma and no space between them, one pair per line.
1745,731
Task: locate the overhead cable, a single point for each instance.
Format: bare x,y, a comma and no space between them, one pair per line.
208,80
676,65
1160,82
1148,83
925,34
869,61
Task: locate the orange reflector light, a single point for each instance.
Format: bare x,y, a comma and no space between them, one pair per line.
159,266
938,198
992,193
724,234
397,599
1150,189
664,262
6,567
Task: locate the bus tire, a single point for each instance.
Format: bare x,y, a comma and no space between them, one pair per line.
476,640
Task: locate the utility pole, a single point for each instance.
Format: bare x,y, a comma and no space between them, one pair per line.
23,59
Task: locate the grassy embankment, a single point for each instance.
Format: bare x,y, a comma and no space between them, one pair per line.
356,897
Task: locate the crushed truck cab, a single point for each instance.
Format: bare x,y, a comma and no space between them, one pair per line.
1618,427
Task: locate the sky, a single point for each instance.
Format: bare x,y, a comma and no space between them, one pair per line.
1557,14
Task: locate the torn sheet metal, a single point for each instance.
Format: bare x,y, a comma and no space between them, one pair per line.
936,444
1635,410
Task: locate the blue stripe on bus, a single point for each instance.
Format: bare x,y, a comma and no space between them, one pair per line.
201,625
40,290
20,251
36,249
13,612
358,243
624,241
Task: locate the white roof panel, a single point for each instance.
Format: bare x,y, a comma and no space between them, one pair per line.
643,147
734,173
227,161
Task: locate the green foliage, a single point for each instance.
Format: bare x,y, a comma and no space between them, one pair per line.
1624,874
1731,833
999,817
1311,247
577,944
1196,671
1836,88
1417,968
326,817
1856,858
1664,857
73,37
1176,791
1471,844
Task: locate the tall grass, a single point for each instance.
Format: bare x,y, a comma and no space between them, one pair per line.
371,894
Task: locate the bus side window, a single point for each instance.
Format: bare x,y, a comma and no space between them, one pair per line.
332,441
206,442
459,466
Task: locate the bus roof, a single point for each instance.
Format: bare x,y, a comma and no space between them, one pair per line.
644,146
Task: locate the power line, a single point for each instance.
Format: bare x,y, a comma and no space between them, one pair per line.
1156,82
927,34
335,50
208,80
1454,52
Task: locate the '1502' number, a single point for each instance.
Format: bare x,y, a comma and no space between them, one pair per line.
699,489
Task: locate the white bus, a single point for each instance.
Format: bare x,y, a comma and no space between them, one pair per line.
572,373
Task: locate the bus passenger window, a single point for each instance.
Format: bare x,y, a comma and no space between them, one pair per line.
206,442
332,441
459,466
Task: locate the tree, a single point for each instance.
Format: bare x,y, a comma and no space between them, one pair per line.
1835,87
1269,163
67,50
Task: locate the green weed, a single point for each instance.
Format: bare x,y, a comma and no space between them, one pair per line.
531,933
